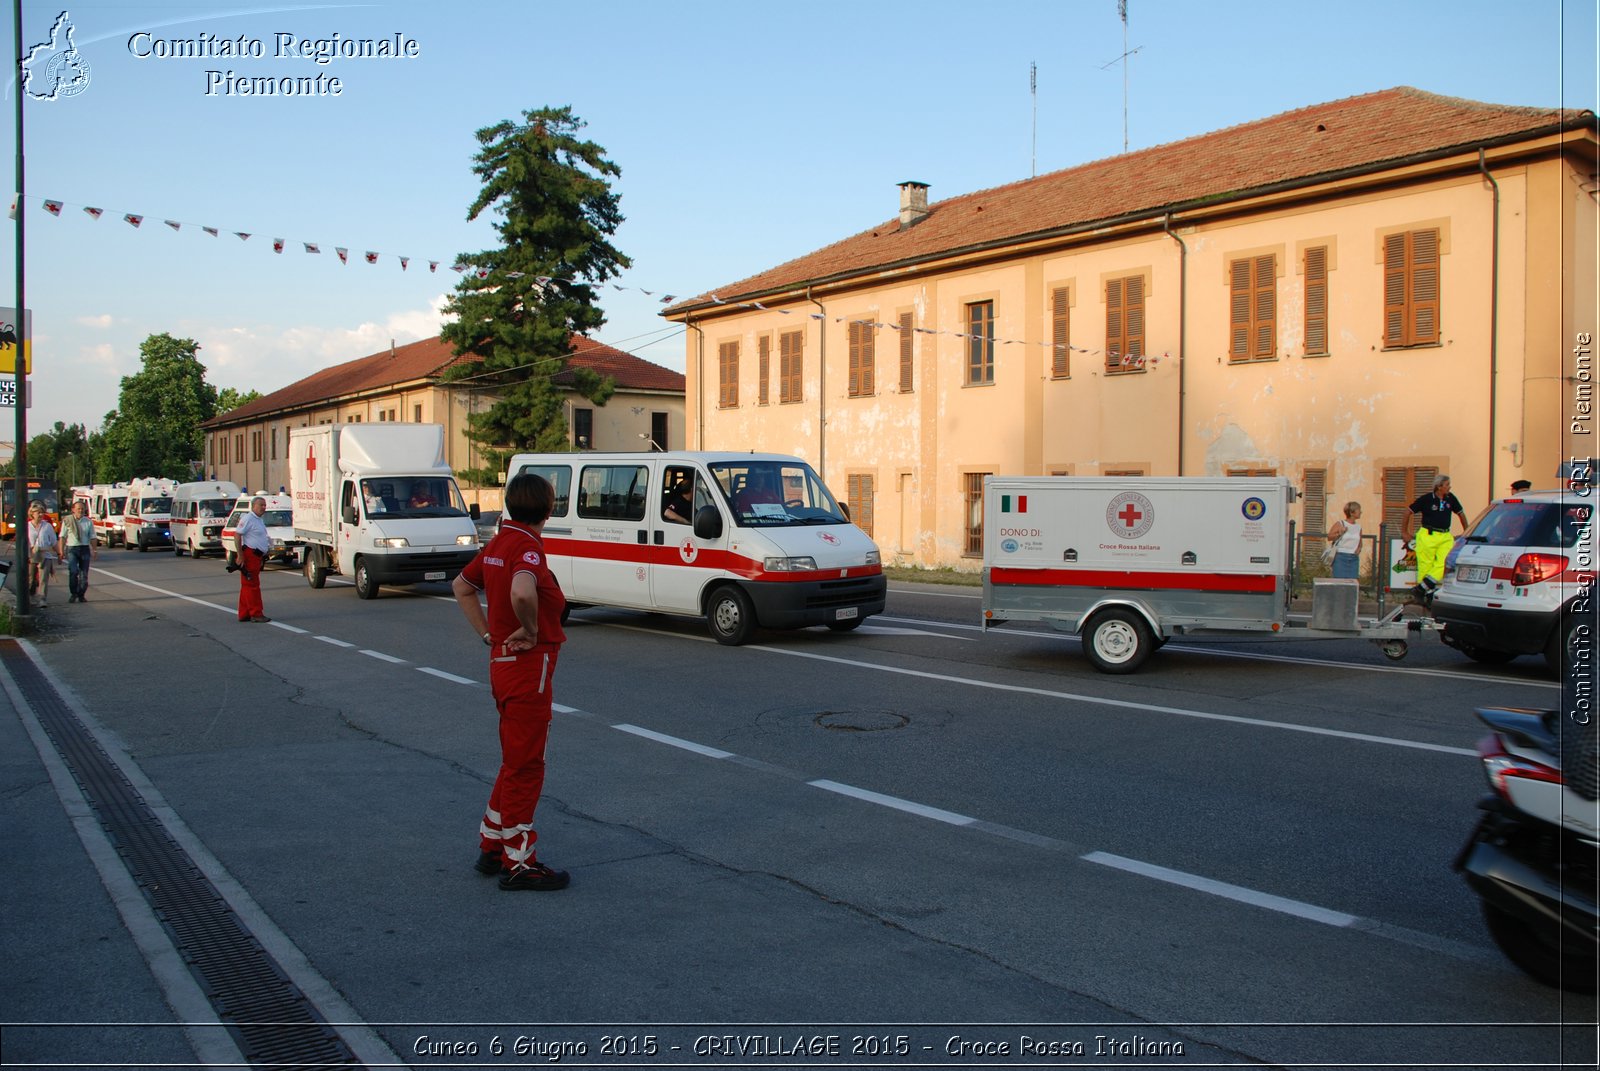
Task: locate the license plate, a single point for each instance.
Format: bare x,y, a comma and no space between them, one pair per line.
846,614
439,575
1472,574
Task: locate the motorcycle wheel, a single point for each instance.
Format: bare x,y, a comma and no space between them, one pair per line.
1538,952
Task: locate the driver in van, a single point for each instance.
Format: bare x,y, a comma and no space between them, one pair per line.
759,487
677,507
421,496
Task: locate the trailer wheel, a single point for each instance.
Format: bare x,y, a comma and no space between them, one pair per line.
366,587
730,616
1118,641
1394,650
316,574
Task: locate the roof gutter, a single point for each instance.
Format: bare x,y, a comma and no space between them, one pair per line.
1494,322
822,389
1183,324
1146,215
699,382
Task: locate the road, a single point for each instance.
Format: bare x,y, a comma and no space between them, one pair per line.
916,843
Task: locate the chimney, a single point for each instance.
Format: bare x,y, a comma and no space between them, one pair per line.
913,203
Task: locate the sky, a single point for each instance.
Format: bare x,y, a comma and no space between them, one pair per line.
747,135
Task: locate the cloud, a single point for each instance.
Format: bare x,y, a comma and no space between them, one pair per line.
102,321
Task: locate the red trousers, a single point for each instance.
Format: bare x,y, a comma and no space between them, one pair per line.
522,686
250,562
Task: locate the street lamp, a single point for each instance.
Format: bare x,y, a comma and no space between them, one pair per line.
655,446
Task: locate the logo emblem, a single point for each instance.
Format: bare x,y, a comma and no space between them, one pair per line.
1130,515
828,538
55,69
1009,546
688,551
1253,509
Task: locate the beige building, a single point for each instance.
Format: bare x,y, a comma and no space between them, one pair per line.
1356,295
250,445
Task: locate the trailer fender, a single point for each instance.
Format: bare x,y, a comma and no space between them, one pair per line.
1151,618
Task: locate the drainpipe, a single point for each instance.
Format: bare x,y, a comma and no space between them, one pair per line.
1494,321
822,390
699,383
1183,323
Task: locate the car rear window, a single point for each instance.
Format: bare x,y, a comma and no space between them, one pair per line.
1531,524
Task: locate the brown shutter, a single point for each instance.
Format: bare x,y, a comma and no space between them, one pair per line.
790,354
1239,310
1317,299
1314,514
905,353
1264,322
1116,336
1424,322
1394,290
728,369
856,330
1059,310
869,379
1135,299
763,368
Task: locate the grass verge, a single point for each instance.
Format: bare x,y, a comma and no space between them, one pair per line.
932,576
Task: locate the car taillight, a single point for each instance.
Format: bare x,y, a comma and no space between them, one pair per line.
1534,568
1499,765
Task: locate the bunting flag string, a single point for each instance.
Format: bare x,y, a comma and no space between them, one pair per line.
1114,361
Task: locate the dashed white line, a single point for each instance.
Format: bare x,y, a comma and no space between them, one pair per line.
894,802
442,675
333,641
677,742
380,656
1243,895
290,628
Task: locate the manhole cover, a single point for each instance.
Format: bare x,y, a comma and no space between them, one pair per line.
861,721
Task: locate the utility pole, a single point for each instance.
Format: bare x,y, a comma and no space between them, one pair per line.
19,510
1033,90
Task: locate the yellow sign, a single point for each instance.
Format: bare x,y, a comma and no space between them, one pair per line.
10,341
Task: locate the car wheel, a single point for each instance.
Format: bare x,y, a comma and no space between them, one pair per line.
143,546
1117,641
1558,652
1538,951
366,587
316,574
730,616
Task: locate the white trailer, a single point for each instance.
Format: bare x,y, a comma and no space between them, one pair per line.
378,503
1128,563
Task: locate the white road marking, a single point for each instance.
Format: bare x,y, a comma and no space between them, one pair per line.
430,671
674,741
336,643
1221,888
290,628
894,802
380,656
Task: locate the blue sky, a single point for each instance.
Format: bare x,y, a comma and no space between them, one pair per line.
747,135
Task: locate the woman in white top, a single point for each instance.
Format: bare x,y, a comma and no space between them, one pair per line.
42,552
1345,536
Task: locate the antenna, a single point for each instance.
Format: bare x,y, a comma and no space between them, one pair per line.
1122,10
1033,90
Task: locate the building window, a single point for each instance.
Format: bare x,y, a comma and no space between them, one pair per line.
255,446
1411,288
274,444
980,342
222,449
1403,485
211,441
858,493
353,418
763,368
861,360
583,428
1253,308
1317,301
1125,324
972,498
416,413
1314,512
1245,470
791,352
728,375
906,367
1060,324
658,431
238,447
1127,470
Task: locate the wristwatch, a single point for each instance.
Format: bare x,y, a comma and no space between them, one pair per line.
486,641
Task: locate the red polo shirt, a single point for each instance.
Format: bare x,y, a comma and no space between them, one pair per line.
513,550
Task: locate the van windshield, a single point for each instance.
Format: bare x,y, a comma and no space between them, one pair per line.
771,494
412,496
215,507
1537,524
156,505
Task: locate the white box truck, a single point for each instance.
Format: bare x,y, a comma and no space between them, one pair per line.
1129,562
379,504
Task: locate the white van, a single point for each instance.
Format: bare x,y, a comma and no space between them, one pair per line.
106,509
740,539
279,521
198,512
147,514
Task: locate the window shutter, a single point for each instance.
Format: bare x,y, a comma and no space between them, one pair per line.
728,366
1424,325
869,340
1116,339
1264,325
763,368
856,332
905,353
1317,299
1135,301
790,353
1394,290
1239,310
1314,514
1059,366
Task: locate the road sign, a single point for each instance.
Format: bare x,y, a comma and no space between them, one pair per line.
11,339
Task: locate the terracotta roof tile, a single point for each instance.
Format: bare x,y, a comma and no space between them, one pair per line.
429,358
1323,139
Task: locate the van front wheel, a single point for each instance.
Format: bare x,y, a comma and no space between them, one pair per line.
316,574
366,587
730,616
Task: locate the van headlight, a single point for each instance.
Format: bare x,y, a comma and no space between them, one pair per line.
392,541
466,541
791,565
873,557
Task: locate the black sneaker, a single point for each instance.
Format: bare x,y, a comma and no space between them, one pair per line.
535,877
490,863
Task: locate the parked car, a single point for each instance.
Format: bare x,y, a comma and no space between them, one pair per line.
488,525
1524,580
278,518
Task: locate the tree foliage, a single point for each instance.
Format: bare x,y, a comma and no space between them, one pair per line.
229,399
64,454
155,429
518,306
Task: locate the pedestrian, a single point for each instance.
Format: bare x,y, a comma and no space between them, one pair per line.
1519,486
254,543
522,630
77,535
43,550
1433,540
1345,536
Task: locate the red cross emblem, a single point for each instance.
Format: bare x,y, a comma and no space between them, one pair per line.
1129,515
311,461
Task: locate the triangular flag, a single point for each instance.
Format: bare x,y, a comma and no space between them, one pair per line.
344,254
403,262
210,230
243,236
668,298
483,273
95,213
372,258
433,265
515,274
458,267
277,245
174,224
133,219
53,207
311,247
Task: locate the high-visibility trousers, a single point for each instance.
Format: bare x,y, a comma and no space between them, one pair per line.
1432,549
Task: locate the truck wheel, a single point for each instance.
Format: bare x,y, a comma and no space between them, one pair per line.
730,616
1117,641
143,546
177,551
366,587
316,575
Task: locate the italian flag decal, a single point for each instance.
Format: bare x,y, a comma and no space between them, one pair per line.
1006,502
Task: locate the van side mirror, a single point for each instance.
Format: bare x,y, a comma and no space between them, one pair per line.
708,523
844,508
349,515
474,512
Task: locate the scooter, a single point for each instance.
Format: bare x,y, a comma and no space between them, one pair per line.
1532,859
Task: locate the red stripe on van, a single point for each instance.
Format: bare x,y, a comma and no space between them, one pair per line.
1141,581
723,560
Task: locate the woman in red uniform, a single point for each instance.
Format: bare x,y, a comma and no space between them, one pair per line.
523,632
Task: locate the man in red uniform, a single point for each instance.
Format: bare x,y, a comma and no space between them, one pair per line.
254,544
524,634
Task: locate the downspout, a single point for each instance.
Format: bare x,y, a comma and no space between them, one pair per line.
1183,323
1494,323
822,389
699,384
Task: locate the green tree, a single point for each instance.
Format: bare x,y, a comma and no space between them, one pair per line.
155,429
518,306
229,399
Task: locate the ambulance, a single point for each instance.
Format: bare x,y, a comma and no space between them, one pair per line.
743,540
147,513
198,513
105,506
1129,562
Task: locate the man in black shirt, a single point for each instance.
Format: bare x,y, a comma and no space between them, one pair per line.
1433,540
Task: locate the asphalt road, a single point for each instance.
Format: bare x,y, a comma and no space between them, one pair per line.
916,843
